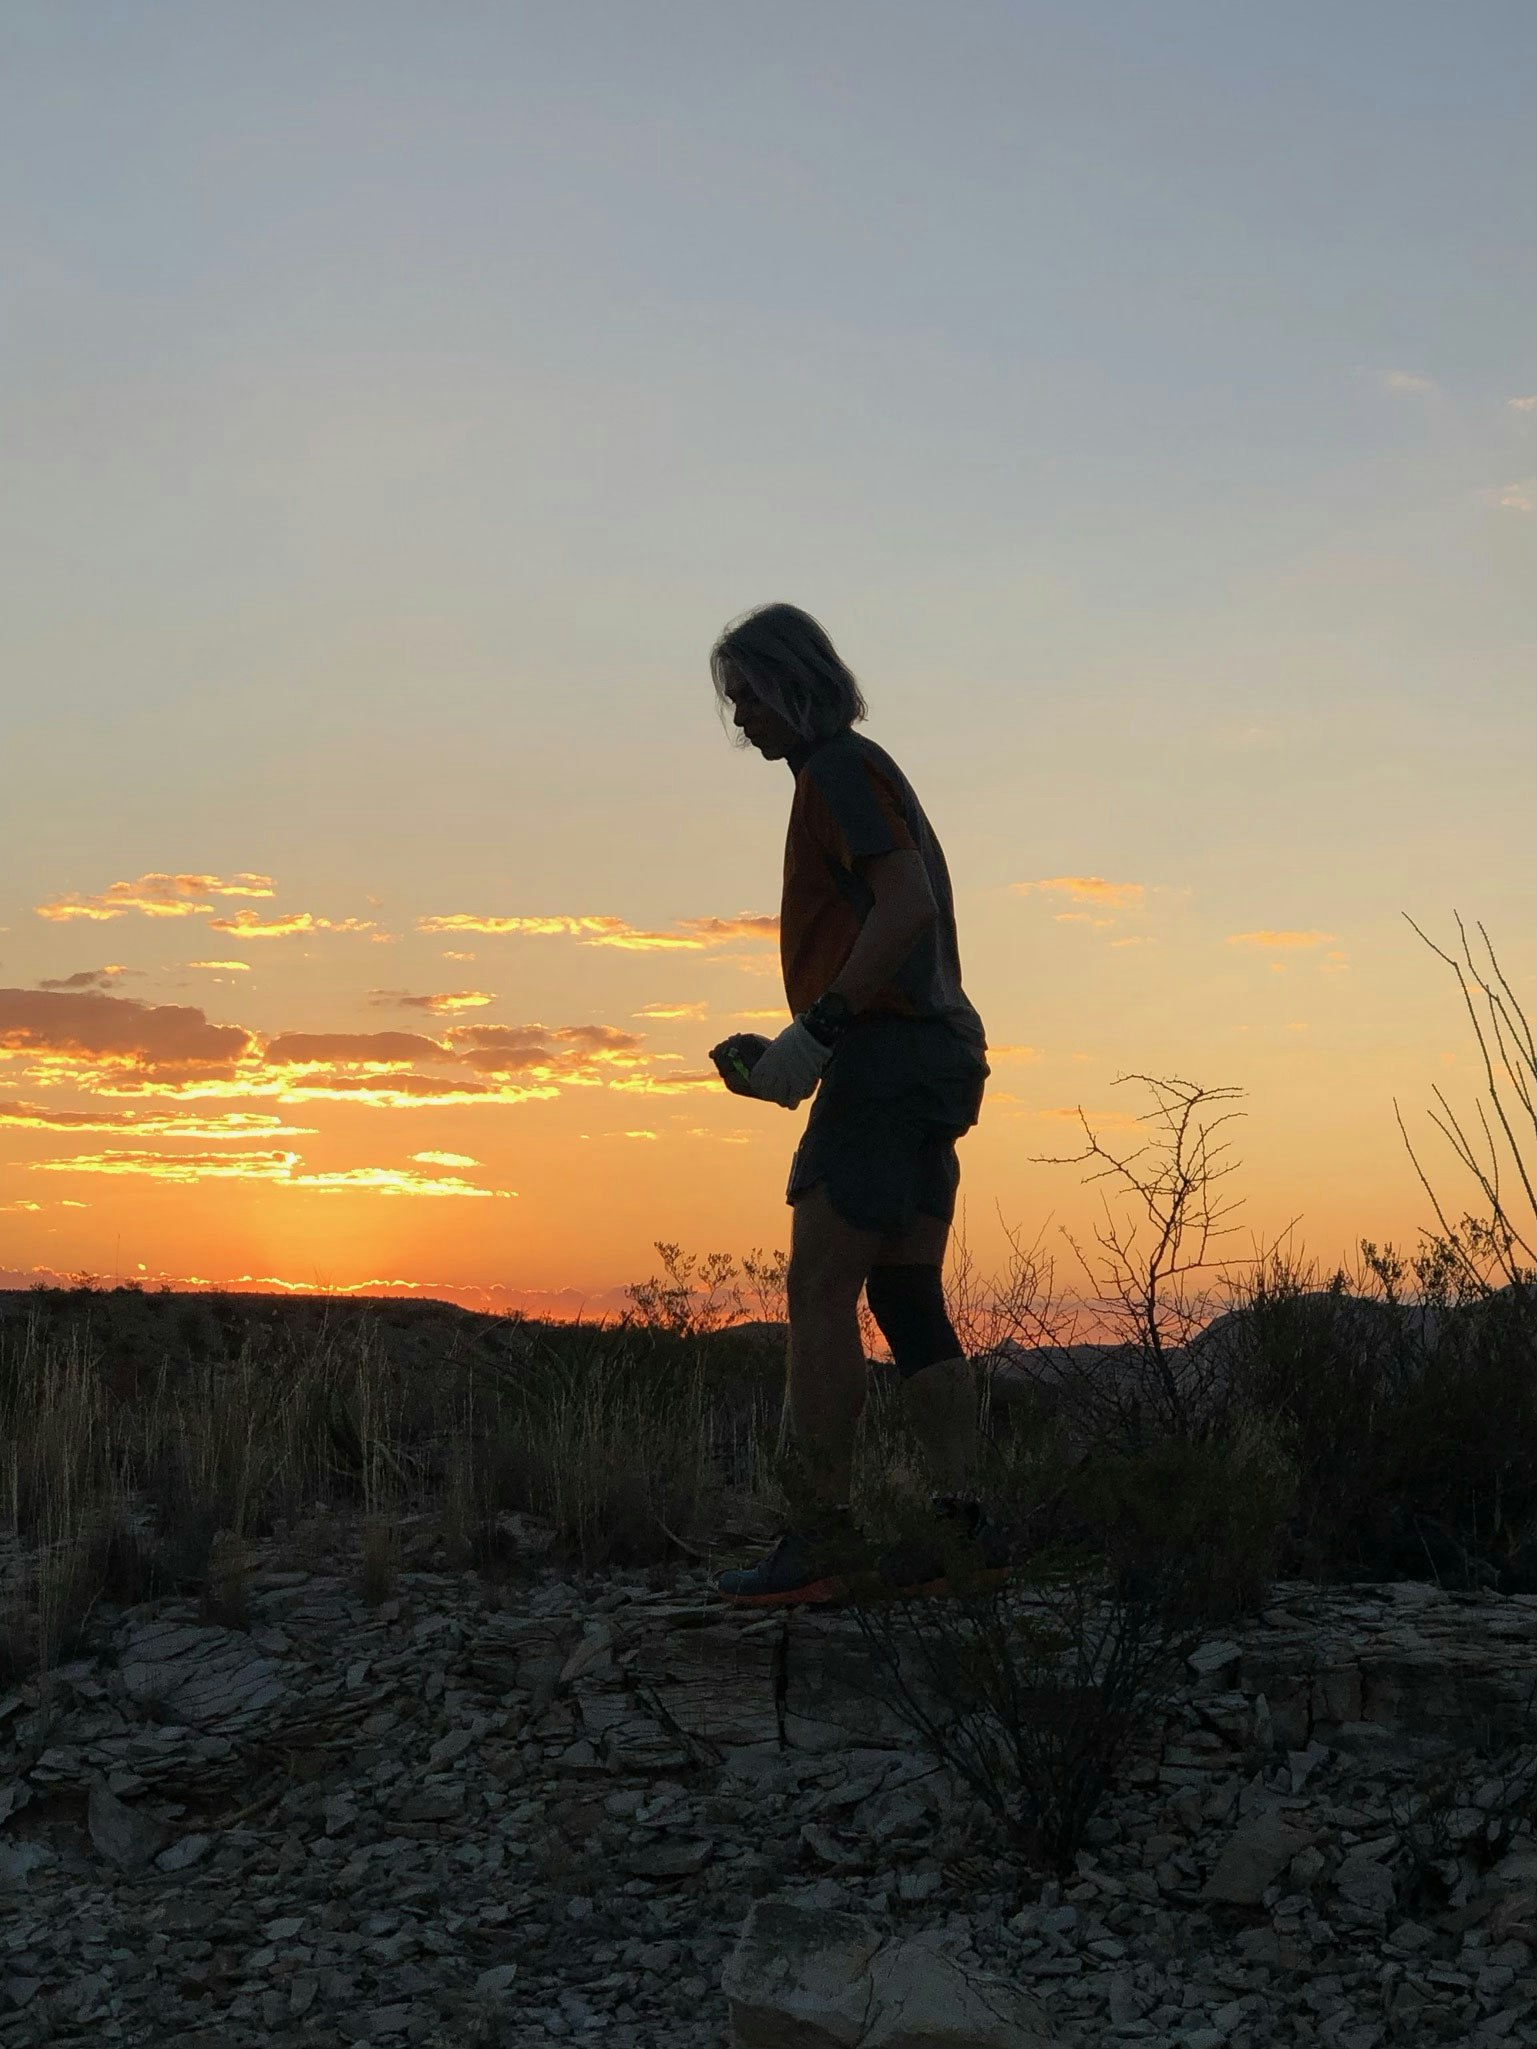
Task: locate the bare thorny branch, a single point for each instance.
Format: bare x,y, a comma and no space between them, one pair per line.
1510,1067
1146,1289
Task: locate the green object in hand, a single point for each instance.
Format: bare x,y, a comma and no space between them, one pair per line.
731,1060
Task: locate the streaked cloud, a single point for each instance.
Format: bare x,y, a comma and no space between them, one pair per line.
695,935
1276,942
1081,918
162,1040
374,1052
665,1010
750,964
1520,497
566,1052
746,925
383,1090
232,967
445,1160
666,1084
561,926
232,1124
87,978
442,1004
1085,889
157,896
277,1169
122,1048
290,925
1015,1053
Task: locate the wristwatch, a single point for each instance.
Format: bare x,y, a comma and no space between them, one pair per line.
829,1017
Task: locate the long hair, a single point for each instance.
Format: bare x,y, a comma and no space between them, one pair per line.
785,658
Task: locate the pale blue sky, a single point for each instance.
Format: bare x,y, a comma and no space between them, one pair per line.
398,400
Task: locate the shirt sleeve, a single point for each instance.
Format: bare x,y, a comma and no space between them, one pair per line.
862,813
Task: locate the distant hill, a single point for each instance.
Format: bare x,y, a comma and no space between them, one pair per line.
135,1330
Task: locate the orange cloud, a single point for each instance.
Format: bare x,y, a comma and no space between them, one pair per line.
118,1032
747,925
442,1004
391,1091
374,1052
1086,889
697,933
666,1084
156,896
673,1010
252,925
538,928
276,1168
445,1160
150,1124
1273,942
120,1047
87,978
566,1051
1080,918
234,967
1014,1053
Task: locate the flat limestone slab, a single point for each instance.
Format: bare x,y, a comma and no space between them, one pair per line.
800,1979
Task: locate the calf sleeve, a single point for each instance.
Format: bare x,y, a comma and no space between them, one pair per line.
908,1303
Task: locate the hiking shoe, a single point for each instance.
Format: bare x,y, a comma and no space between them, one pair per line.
967,1554
978,1528
800,1571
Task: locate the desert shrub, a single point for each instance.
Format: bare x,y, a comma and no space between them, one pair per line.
619,1439
694,1296
1032,1696
1201,1523
1465,1808
1411,1425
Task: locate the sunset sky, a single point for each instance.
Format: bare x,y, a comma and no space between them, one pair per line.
397,404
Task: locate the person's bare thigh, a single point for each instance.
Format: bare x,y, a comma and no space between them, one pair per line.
824,1250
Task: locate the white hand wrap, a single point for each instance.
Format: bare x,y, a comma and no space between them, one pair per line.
789,1067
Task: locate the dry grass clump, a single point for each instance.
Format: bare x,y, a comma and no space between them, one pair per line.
123,1479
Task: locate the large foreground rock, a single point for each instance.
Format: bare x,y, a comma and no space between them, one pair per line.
799,1979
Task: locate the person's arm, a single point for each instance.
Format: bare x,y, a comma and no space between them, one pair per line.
904,906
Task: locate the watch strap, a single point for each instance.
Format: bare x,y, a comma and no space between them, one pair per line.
829,1018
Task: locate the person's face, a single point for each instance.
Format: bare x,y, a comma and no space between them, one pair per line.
764,728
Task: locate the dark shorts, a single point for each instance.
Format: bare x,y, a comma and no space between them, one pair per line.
892,1101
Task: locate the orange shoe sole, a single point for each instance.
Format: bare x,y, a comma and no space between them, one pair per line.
817,1593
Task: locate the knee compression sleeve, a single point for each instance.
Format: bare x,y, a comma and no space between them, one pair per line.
908,1303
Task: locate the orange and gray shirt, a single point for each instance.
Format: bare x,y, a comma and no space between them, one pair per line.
853,802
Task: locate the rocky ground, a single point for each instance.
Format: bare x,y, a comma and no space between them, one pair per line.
542,1812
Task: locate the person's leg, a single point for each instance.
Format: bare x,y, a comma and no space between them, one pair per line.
940,1399
828,1263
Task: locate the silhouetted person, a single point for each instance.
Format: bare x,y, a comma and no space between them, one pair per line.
883,1033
